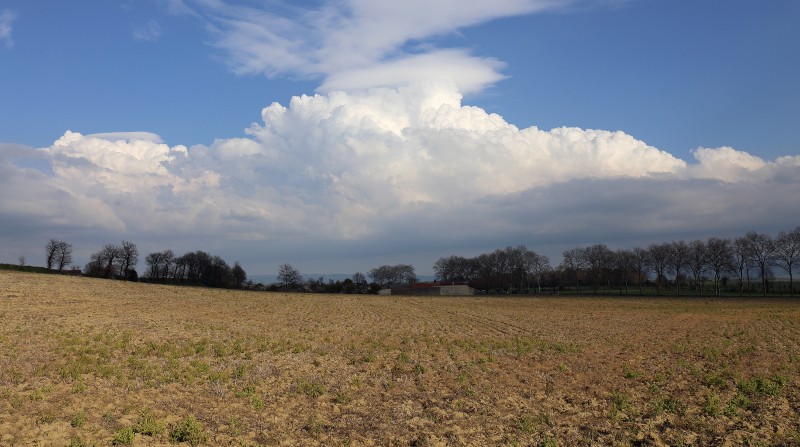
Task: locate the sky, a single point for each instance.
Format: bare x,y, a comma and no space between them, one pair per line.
339,135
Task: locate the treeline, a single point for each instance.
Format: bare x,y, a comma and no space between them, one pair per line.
114,261
197,267
749,260
516,269
393,275
290,279
384,276
118,261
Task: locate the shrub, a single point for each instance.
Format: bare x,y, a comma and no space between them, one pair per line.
619,402
78,420
310,388
548,442
762,385
711,407
188,430
123,437
148,425
630,373
670,405
76,441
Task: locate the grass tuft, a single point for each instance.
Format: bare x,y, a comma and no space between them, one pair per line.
189,430
123,437
148,425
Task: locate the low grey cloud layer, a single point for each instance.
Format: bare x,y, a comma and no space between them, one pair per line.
390,172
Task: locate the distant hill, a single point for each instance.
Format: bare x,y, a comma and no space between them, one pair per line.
269,279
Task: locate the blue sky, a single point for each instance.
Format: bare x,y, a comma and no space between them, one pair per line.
676,74
700,98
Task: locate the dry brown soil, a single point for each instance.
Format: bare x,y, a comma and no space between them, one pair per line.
98,362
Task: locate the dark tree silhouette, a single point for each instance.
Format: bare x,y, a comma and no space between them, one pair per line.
238,275
719,255
787,253
660,258
762,251
289,277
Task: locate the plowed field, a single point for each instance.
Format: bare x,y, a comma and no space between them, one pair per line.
97,362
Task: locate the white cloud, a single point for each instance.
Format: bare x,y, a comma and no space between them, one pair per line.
359,44
147,32
389,169
470,74
386,159
126,162
419,144
7,18
731,165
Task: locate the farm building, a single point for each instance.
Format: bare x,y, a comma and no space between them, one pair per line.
431,288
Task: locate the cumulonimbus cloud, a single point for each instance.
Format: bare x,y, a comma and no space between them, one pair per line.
386,151
347,166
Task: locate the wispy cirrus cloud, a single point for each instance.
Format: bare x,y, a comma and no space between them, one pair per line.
357,43
147,32
7,18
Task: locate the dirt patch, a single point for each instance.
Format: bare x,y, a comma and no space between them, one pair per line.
85,361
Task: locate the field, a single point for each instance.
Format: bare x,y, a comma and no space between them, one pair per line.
98,362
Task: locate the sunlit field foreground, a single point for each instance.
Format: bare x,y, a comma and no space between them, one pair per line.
98,362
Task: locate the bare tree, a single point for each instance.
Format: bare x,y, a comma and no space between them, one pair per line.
719,254
50,250
762,249
740,261
359,280
660,258
153,261
21,260
192,265
446,268
787,253
160,265
128,257
64,255
484,264
678,256
455,268
289,277
238,275
381,275
318,285
518,262
110,254
103,263
624,264
574,261
538,265
218,273
393,275
502,265
697,261
641,262
599,259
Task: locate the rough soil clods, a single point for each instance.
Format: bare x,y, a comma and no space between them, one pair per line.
95,362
